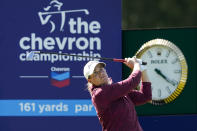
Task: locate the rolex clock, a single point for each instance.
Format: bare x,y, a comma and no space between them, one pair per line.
167,69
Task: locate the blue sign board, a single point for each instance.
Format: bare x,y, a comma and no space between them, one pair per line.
53,85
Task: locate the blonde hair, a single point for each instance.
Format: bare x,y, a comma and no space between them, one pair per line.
88,87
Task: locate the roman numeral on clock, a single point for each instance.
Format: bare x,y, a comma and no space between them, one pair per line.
168,89
168,53
150,54
159,92
177,71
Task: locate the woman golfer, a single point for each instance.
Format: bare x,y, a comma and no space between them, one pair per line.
115,102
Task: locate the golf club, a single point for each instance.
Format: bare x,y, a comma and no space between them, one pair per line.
31,54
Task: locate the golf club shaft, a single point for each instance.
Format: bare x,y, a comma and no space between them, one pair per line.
101,58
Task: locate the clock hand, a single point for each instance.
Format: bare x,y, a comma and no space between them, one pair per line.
159,73
163,76
170,81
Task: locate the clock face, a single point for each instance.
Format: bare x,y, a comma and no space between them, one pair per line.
164,71
166,68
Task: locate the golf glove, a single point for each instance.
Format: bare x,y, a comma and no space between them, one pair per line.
142,67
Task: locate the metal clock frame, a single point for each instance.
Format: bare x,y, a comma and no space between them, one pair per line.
184,68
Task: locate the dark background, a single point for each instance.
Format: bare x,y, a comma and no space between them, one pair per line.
158,13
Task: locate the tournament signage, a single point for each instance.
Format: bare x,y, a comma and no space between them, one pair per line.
53,84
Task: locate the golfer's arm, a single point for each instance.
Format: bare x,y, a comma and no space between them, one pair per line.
142,96
122,88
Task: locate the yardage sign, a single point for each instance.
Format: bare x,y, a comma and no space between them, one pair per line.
50,84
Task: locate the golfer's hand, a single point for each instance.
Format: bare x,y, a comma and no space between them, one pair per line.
130,62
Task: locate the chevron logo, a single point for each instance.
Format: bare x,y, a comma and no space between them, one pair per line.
60,79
